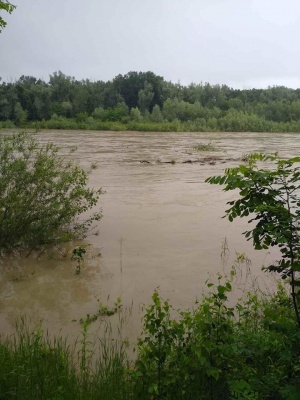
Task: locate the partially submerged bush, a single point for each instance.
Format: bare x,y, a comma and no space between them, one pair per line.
205,147
41,194
217,351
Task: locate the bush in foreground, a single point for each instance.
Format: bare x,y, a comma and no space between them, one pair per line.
269,196
41,194
216,351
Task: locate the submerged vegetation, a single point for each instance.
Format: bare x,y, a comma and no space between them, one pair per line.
41,194
205,147
143,101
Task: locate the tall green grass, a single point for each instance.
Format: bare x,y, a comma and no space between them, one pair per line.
35,366
228,123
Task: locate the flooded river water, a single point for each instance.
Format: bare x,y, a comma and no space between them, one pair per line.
161,226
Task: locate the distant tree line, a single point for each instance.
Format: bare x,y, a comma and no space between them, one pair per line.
145,101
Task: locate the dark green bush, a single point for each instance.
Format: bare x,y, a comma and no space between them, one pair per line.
248,351
41,194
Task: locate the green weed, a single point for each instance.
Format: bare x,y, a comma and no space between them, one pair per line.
205,147
34,366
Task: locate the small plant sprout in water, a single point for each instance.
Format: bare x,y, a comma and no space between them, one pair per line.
108,311
94,165
245,157
73,149
77,255
173,162
103,311
205,147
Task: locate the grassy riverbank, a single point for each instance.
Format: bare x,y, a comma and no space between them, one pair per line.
215,351
233,122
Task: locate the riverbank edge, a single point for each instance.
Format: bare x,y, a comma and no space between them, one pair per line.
190,126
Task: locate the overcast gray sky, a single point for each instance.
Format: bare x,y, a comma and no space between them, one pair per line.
241,43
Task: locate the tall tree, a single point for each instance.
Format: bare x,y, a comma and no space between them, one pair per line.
132,83
145,97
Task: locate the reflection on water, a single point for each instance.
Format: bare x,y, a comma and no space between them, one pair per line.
161,226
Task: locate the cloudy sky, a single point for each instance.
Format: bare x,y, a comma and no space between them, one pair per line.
241,43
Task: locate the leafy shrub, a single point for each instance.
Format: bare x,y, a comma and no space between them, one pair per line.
218,351
59,122
271,194
7,124
41,194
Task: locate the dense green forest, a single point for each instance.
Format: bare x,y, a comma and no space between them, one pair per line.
145,101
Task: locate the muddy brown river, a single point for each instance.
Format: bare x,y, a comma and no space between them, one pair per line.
161,227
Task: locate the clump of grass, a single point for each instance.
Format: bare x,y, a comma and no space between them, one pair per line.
33,366
205,147
173,162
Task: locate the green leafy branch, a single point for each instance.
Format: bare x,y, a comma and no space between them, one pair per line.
270,197
8,7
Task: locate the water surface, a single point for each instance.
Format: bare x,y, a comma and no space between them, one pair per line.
161,226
